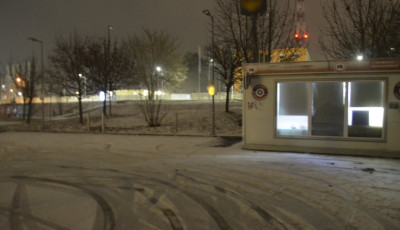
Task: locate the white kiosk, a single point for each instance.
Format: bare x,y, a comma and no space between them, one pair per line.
335,107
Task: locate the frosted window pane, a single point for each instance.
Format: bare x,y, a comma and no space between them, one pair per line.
366,110
327,109
293,99
366,94
292,109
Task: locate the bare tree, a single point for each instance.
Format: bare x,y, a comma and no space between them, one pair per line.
106,68
68,56
154,111
56,82
361,27
191,83
151,50
229,62
275,29
24,77
96,62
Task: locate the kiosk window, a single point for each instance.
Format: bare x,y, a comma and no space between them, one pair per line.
292,109
324,110
366,109
327,108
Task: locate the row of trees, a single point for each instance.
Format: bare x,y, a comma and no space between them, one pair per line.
83,64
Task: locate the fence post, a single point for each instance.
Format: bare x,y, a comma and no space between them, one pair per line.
176,122
88,122
102,123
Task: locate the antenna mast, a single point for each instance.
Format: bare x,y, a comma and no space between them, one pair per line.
301,34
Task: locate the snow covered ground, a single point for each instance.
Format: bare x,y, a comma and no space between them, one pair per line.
182,118
93,181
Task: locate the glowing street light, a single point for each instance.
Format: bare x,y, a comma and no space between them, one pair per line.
211,90
208,13
360,57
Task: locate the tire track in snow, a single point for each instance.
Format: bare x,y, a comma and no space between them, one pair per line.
349,198
219,220
267,217
303,210
108,222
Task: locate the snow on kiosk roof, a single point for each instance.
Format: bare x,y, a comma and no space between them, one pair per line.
335,107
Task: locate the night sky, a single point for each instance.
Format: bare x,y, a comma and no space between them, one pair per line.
45,19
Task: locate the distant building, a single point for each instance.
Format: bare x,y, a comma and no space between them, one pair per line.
293,54
278,55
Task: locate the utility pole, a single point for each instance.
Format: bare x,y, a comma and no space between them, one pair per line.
208,13
254,35
41,75
109,65
253,9
1,89
199,73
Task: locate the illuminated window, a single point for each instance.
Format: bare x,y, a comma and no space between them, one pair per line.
319,108
366,109
292,109
327,108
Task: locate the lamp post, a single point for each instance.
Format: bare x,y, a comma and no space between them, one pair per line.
1,90
109,28
159,73
41,75
84,81
199,70
159,69
208,13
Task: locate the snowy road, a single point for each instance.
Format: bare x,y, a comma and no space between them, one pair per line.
95,182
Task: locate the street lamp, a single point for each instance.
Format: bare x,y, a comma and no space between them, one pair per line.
109,28
41,75
159,72
84,81
208,13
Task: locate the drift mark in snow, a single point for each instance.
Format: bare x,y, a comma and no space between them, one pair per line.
22,216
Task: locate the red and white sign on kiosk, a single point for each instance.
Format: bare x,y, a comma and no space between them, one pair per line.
260,92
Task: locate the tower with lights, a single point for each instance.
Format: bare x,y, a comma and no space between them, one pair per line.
301,34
